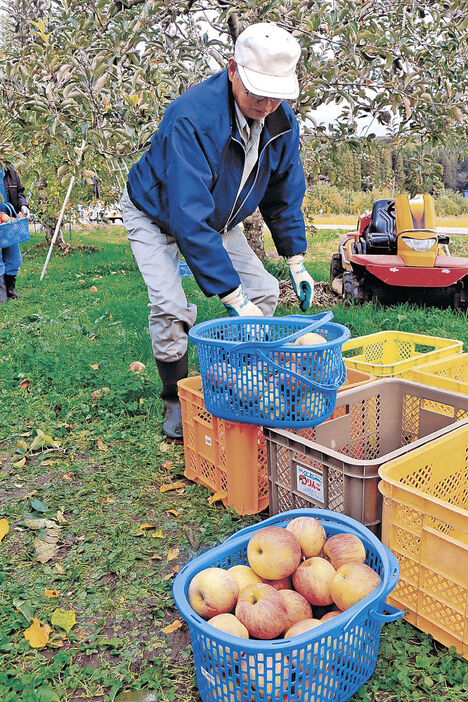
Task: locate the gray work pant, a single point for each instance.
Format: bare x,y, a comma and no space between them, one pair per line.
157,256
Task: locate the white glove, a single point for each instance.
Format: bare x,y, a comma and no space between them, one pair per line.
25,210
238,304
303,283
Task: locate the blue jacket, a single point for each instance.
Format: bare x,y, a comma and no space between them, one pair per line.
187,181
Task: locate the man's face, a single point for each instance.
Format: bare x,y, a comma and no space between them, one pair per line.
251,106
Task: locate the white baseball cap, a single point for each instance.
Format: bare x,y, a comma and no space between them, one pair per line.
266,57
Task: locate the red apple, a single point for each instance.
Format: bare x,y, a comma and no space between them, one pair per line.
281,584
230,624
300,627
344,548
310,534
136,366
330,615
273,553
262,611
297,607
212,591
352,582
313,580
244,576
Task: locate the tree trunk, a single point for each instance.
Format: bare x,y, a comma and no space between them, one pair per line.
253,230
48,221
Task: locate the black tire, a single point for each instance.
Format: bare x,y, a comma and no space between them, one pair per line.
336,268
353,292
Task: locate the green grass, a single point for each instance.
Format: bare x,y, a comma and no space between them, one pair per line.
102,469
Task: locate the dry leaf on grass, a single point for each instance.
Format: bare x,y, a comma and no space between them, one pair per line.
177,624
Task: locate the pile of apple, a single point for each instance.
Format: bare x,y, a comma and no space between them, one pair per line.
291,571
4,217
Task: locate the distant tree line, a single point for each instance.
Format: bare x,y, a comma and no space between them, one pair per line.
363,165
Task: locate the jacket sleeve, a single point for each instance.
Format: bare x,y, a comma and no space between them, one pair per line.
190,205
281,206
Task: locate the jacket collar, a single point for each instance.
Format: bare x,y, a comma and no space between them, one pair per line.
275,124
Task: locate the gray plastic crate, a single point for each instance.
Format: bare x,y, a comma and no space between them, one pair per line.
335,465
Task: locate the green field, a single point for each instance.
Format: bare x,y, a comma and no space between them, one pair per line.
94,468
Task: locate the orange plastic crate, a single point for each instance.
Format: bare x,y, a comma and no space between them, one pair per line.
229,458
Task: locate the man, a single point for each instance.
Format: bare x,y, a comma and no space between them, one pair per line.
11,191
225,147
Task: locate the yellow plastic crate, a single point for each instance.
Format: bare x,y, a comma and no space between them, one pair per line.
425,524
447,373
229,458
390,354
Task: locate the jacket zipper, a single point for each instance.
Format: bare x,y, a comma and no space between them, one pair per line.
231,216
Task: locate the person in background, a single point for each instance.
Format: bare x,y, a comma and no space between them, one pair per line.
12,190
226,146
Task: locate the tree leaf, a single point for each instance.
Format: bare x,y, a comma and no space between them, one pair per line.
177,624
36,634
4,528
64,618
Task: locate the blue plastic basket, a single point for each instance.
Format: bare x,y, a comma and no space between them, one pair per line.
16,230
326,664
252,371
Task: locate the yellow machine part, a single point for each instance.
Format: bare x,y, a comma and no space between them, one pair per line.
416,221
417,213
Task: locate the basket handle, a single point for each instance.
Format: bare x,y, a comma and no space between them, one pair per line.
307,381
326,514
9,209
393,614
320,319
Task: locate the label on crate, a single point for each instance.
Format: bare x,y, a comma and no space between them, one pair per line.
208,441
207,675
309,483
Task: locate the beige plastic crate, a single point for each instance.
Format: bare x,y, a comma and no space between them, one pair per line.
335,465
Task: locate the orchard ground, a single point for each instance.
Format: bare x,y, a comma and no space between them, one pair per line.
121,516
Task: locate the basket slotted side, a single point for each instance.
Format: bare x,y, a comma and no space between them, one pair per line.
327,664
268,386
16,230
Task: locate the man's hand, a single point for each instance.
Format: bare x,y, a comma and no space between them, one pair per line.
303,283
238,304
25,210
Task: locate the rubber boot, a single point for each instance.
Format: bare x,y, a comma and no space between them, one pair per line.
170,374
3,289
10,281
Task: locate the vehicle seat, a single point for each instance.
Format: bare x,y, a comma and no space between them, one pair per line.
380,234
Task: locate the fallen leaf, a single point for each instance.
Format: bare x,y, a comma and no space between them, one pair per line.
172,554
4,528
36,634
21,463
24,608
101,445
94,366
51,593
174,512
60,517
169,576
21,445
177,624
24,385
147,526
38,523
44,550
172,486
157,534
39,506
137,696
60,570
220,495
176,569
155,557
93,288
64,618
